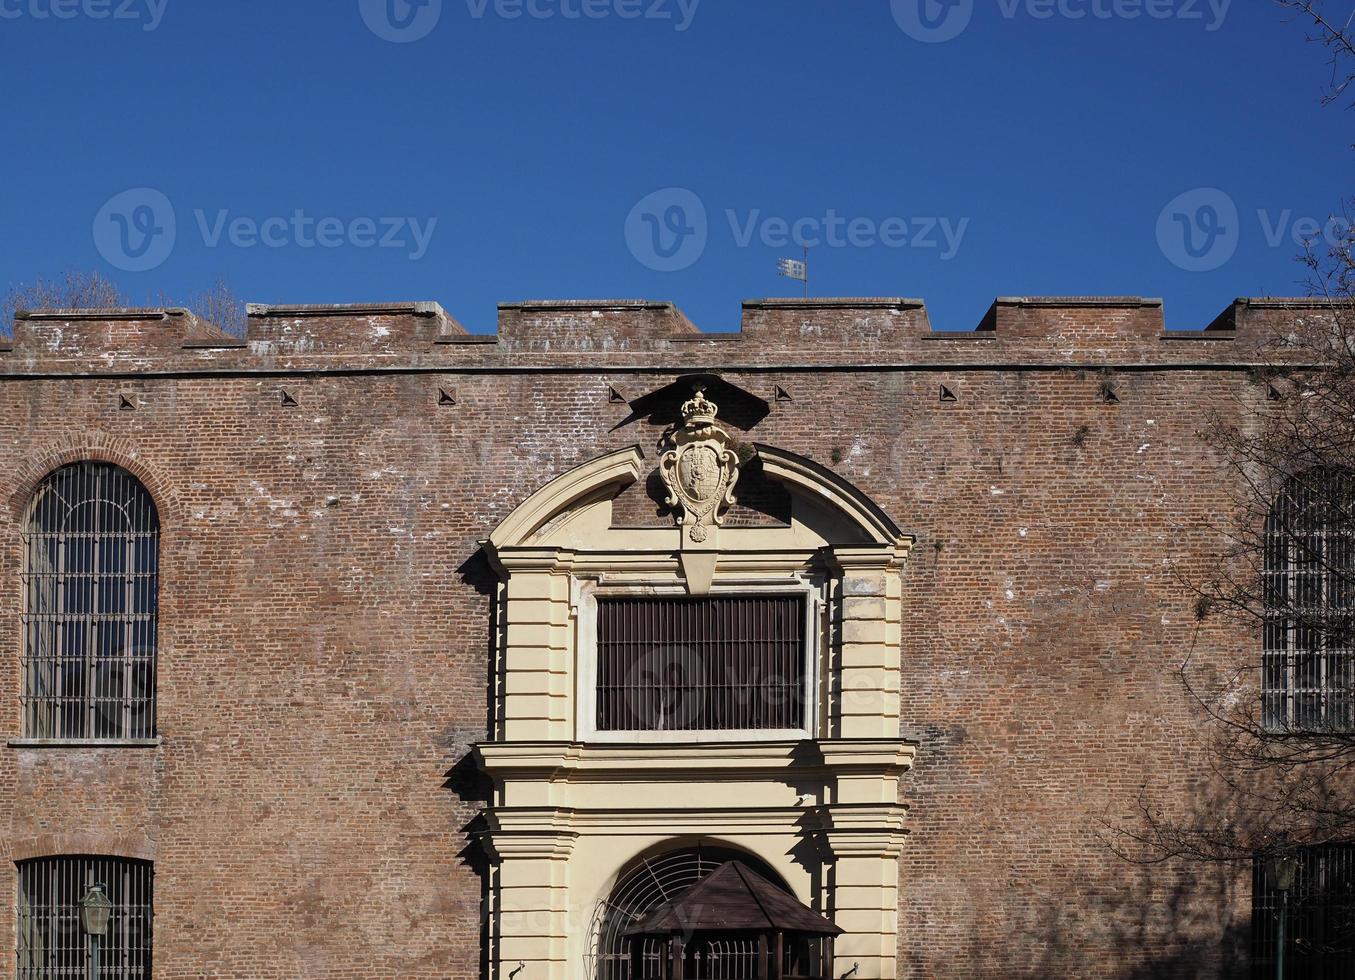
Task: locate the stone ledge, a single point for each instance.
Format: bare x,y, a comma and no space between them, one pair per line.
631,761
91,743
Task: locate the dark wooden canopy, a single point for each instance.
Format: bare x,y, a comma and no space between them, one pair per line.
734,898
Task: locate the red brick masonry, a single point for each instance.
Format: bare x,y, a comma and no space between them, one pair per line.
325,615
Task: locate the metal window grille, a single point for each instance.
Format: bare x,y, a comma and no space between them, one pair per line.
52,945
663,879
1319,916
1308,665
706,664
732,958
91,593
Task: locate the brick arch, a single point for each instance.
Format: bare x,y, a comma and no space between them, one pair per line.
95,447
98,843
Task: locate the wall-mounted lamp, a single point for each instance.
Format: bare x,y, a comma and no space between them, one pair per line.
95,909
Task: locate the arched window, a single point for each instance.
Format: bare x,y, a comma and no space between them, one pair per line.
91,592
52,940
653,881
1308,674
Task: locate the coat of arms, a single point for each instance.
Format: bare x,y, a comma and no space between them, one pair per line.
700,469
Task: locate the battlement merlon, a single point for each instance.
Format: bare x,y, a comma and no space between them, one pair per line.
871,332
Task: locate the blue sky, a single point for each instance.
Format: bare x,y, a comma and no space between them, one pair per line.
476,151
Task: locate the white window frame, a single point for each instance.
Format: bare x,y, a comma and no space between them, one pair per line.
586,643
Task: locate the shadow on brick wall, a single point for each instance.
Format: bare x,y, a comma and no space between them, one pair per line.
1153,924
662,407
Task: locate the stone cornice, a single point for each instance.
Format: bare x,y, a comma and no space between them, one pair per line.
578,762
526,832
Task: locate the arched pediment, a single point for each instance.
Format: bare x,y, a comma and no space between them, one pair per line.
807,478
568,490
829,509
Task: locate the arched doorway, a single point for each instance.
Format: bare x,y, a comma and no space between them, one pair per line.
650,882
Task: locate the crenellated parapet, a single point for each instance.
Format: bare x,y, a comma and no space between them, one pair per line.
1076,331
1073,319
862,323
1266,321
591,325
387,328
61,333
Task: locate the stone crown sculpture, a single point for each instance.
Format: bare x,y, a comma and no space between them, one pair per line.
701,468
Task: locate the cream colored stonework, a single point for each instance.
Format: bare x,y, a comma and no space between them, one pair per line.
573,807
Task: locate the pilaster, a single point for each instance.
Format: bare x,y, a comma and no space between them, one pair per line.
869,633
538,651
531,848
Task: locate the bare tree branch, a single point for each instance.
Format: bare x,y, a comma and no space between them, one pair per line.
1336,31
79,290
1271,674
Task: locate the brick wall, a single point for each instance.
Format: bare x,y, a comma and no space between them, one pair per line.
325,614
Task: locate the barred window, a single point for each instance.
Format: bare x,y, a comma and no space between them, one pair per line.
52,942
701,664
1318,913
1308,669
91,592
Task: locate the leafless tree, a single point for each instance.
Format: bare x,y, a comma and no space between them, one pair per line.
1270,676
80,290
1333,25
1279,713
217,305
73,290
